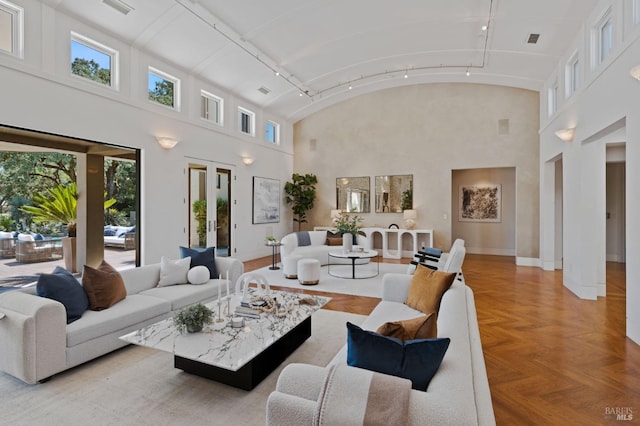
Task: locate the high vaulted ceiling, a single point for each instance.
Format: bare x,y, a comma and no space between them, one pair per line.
323,47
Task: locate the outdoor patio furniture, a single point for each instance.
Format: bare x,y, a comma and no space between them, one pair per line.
29,250
7,244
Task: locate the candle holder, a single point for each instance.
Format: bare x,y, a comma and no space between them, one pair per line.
219,323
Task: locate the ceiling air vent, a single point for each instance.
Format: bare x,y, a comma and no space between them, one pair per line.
533,38
264,90
119,5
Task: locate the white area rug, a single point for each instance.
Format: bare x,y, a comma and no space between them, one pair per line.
139,386
371,287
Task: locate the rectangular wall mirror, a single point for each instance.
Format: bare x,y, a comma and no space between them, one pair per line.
353,194
394,194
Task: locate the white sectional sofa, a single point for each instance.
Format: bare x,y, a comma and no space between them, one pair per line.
318,249
37,342
458,393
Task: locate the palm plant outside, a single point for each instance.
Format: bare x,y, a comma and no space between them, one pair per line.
58,204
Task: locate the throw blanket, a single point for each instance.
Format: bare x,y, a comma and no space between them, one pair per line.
362,397
303,238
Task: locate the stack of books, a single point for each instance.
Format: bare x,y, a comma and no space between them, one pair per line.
247,312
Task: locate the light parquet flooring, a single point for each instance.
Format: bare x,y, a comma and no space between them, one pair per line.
552,359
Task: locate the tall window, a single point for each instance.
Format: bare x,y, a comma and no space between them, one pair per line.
11,29
93,61
606,40
246,121
211,107
272,132
553,99
164,88
572,75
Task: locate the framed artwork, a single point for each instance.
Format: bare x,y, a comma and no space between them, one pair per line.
480,203
266,200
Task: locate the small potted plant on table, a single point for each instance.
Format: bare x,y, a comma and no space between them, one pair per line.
193,318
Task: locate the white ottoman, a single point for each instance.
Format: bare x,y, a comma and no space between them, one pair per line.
290,266
308,271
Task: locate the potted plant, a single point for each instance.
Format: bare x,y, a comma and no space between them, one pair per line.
301,192
193,318
200,214
271,240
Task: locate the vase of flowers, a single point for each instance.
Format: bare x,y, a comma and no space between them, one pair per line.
193,318
347,224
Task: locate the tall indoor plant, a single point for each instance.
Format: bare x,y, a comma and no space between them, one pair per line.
301,193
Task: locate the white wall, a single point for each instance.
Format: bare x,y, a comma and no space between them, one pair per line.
606,109
426,130
39,93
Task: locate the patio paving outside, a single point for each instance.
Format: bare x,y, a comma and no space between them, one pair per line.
14,273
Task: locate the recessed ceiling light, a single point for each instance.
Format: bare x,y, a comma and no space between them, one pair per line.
264,90
119,5
484,28
277,73
350,87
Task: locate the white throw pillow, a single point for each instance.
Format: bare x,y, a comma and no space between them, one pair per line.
173,271
198,275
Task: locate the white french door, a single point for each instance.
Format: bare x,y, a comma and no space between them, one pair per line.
209,204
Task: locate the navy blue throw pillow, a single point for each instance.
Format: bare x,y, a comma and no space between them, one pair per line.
204,257
38,237
64,288
109,232
417,360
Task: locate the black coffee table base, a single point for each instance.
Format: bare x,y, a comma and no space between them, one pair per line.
252,373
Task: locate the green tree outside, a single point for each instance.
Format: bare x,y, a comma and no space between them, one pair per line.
162,93
91,70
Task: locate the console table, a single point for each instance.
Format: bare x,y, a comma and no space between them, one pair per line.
419,238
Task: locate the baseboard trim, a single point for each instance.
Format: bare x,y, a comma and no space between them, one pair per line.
528,261
491,251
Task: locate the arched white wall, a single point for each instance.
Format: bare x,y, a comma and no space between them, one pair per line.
427,130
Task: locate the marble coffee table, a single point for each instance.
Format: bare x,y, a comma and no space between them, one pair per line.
240,357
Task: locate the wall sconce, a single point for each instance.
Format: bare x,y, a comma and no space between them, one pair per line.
247,160
635,72
566,135
410,216
166,143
